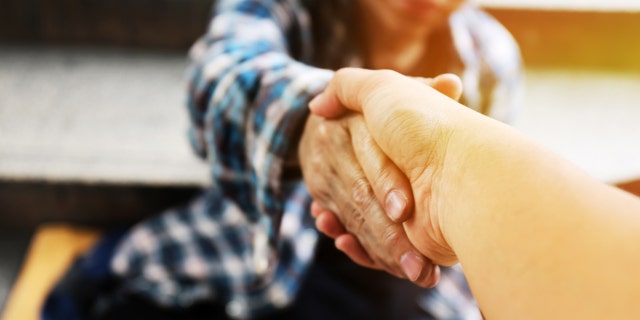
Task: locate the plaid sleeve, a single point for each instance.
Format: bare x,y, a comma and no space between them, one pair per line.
248,240
203,252
492,76
248,98
503,60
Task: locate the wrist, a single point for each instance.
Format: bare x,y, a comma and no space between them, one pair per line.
474,179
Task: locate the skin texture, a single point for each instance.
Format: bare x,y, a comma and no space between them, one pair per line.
344,169
346,188
527,226
381,243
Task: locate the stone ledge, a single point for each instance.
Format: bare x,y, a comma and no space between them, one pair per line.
95,116
117,117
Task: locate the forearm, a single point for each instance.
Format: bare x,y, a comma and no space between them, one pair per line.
535,235
248,98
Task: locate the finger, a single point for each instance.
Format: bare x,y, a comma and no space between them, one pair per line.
316,209
350,246
393,106
330,189
352,207
329,224
363,217
358,89
434,278
341,94
356,212
389,184
448,84
320,150
431,279
385,241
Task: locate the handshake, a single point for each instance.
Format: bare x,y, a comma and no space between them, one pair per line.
522,222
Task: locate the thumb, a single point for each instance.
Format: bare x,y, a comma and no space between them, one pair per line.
448,84
406,118
343,93
351,85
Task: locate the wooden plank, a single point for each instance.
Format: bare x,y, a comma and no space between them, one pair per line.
52,250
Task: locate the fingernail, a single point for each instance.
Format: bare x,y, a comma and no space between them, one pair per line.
395,204
315,101
434,276
412,265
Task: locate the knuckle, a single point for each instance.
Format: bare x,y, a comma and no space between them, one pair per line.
361,193
378,79
384,180
380,76
391,237
355,223
322,133
341,73
317,184
320,195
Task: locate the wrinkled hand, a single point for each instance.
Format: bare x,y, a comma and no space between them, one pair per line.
373,92
337,158
380,243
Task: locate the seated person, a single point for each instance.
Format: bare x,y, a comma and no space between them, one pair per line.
247,248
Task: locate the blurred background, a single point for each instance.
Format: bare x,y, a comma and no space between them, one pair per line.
93,128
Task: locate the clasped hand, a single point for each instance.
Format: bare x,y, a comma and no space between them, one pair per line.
361,198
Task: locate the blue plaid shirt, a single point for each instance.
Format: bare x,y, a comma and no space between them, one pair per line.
249,239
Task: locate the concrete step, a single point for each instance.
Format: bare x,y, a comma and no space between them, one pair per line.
95,116
117,117
93,136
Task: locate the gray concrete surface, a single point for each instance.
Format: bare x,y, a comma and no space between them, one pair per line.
118,117
98,115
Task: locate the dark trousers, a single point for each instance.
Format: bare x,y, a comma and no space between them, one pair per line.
335,288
